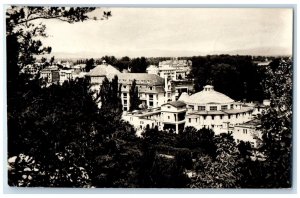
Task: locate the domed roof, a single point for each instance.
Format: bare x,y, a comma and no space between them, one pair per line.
208,95
183,97
103,70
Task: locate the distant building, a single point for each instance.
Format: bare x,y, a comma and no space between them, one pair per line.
70,74
65,75
79,67
153,69
175,73
174,69
98,74
50,75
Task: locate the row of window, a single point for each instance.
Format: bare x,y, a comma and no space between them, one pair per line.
211,108
221,117
140,86
151,96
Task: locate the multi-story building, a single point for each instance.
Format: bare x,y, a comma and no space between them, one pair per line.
175,74
150,86
152,69
150,89
98,74
173,116
70,74
174,69
214,110
205,109
65,75
50,75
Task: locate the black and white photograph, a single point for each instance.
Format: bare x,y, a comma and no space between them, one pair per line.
149,97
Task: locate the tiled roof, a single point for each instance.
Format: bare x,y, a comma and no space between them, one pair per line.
176,103
103,70
143,78
251,123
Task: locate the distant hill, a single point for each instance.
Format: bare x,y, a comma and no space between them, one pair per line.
263,51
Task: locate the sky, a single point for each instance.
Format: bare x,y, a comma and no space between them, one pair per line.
153,32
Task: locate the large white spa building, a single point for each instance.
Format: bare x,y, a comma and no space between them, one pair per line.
205,109
214,110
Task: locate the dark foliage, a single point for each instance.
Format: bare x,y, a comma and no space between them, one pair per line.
235,76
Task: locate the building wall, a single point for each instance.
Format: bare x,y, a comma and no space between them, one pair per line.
52,76
140,122
219,123
247,133
152,94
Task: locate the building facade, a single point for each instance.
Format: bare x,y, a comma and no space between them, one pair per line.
248,132
142,119
174,69
150,86
50,75
173,116
214,110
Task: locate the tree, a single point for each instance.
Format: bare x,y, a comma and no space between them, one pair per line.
199,140
134,97
245,149
52,60
223,172
224,77
277,125
138,65
110,98
42,122
156,171
54,132
90,64
223,71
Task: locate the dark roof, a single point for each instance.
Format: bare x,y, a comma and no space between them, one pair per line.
250,123
177,103
142,78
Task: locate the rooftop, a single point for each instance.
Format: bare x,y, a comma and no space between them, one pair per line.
143,78
183,97
251,123
176,103
103,70
208,95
